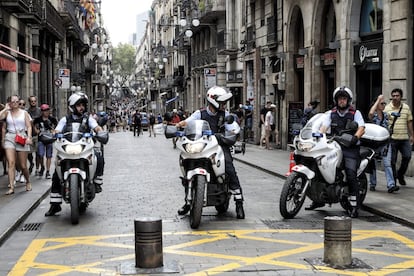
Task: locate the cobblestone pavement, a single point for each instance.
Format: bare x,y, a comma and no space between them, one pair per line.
142,181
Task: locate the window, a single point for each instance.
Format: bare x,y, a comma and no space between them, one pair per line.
371,17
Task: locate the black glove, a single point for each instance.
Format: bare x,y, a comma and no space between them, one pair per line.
354,140
219,137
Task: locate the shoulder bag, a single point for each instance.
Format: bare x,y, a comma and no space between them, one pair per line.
20,138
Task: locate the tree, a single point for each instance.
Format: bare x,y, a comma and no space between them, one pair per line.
123,62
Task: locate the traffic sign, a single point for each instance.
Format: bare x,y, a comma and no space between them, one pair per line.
58,82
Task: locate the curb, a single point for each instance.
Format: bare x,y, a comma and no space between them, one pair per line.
22,217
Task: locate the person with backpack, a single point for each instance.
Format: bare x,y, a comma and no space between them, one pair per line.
151,124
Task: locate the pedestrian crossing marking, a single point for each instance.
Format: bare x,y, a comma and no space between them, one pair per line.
109,251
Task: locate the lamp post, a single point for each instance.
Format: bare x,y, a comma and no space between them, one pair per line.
189,17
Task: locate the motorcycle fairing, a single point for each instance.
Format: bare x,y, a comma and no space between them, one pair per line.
74,171
304,170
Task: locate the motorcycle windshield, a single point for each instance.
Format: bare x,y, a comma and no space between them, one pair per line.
196,129
74,134
312,126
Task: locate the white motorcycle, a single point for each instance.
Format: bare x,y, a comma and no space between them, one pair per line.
319,174
203,167
76,163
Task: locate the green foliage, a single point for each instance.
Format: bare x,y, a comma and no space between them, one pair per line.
123,61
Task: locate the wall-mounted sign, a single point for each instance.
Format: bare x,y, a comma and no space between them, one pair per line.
210,77
368,53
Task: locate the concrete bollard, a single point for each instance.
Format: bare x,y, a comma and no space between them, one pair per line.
338,241
148,243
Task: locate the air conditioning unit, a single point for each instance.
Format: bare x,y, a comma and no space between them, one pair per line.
275,78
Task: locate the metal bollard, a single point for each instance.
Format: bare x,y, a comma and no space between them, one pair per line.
148,243
338,242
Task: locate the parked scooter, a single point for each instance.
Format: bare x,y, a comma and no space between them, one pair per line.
319,174
76,165
203,167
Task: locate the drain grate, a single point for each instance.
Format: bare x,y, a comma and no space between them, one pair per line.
31,227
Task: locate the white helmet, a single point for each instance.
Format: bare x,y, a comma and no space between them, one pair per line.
217,95
76,98
342,91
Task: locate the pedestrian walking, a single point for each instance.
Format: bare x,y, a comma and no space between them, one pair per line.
151,118
18,139
263,113
34,112
42,124
270,127
137,123
401,130
377,115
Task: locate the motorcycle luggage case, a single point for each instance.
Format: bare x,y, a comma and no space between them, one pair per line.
374,136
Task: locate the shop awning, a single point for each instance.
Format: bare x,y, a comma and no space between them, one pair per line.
7,62
171,100
34,63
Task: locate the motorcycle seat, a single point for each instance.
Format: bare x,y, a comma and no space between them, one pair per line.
365,152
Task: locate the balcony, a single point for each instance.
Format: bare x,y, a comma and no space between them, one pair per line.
15,6
211,9
68,13
53,22
34,14
204,58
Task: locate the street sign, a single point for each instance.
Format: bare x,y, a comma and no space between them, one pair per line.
64,76
209,77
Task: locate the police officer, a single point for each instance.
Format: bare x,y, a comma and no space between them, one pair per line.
214,114
337,119
78,104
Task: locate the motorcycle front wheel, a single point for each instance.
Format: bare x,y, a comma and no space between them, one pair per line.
197,194
74,198
292,197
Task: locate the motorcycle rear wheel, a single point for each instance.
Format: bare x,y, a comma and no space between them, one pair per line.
74,198
291,201
197,201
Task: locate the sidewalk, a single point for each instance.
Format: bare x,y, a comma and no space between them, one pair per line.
395,206
15,208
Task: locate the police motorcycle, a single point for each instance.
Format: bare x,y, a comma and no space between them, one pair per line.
202,165
319,174
76,164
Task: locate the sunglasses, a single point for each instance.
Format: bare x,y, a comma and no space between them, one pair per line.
395,95
22,104
383,103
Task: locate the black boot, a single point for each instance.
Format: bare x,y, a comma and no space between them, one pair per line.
54,208
184,210
239,209
314,205
353,213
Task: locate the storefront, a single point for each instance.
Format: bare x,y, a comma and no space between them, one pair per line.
368,62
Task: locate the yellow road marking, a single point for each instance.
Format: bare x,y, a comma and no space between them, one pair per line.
286,258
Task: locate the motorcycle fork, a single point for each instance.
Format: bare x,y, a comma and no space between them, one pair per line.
190,195
305,188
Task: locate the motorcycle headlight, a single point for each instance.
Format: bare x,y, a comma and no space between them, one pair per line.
194,148
73,149
305,146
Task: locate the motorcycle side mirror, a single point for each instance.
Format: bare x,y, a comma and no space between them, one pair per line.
170,131
229,119
396,114
102,137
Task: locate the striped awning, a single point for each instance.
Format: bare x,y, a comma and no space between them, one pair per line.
7,62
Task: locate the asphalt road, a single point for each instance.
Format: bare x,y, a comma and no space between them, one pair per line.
142,181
